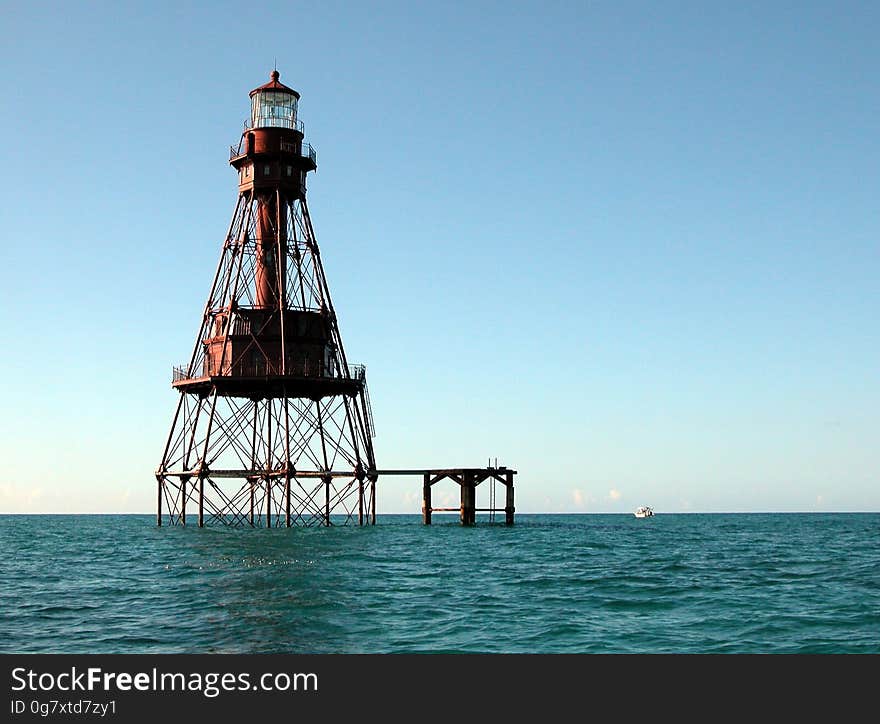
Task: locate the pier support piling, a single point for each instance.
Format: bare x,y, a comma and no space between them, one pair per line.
468,499
426,500
508,504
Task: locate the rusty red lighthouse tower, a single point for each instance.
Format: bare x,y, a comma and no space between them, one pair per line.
273,425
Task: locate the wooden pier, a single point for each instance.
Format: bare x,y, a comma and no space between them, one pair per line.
468,479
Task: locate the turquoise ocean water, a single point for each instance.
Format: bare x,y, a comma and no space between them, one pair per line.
792,583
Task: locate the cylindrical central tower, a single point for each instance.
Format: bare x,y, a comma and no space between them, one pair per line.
271,163
268,399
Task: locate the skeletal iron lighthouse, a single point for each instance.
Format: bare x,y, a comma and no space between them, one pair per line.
273,426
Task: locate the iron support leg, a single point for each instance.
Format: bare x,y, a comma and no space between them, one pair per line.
159,502
201,502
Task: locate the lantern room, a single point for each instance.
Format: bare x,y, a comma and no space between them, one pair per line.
273,105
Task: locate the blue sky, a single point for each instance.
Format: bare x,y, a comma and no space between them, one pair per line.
630,249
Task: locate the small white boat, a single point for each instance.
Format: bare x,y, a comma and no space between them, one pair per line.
643,512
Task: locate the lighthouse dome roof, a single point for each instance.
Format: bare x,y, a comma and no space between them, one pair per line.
274,85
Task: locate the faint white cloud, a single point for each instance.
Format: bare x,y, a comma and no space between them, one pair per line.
412,501
16,499
820,499
578,498
614,494
447,500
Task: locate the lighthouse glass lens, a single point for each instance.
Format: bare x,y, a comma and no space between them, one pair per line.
274,109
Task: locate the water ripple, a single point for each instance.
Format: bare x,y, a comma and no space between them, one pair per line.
673,583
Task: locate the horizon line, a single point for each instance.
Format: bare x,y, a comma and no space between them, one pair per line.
569,512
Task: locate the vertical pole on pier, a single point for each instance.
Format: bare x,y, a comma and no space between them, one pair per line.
327,479
472,512
360,479
509,507
287,495
373,501
201,502
426,500
159,503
